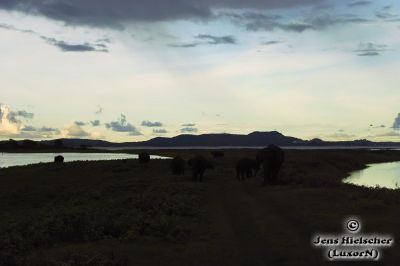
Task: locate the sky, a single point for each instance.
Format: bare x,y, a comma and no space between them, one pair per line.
130,70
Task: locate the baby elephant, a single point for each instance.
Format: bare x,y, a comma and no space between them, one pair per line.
199,164
246,168
177,166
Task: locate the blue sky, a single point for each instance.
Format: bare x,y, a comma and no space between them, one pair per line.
132,70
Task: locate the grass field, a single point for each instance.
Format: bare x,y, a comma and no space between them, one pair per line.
123,213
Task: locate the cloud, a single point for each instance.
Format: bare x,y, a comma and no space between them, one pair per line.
99,46
121,125
396,123
341,135
359,3
210,39
270,42
256,21
75,131
80,123
68,47
147,123
189,130
387,13
370,49
389,134
42,132
95,123
160,131
116,14
99,110
206,39
189,125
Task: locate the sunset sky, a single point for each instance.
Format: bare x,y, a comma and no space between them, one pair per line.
129,70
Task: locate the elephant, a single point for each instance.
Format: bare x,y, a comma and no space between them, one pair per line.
177,166
199,164
59,159
246,168
144,158
271,158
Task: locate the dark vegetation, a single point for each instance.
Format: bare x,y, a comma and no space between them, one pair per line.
119,213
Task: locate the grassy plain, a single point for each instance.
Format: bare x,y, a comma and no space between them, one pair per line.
123,213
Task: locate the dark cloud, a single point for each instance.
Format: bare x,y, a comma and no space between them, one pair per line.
396,123
80,123
189,125
376,126
387,13
370,49
147,123
99,46
206,39
43,130
160,131
270,42
99,110
210,39
68,47
95,123
255,21
15,116
189,130
117,13
121,125
13,28
359,3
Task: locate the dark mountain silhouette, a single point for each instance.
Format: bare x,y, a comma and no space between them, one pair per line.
255,139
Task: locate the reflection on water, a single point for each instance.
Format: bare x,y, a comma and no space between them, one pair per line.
382,175
19,159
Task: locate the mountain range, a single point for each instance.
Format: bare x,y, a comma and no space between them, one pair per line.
254,139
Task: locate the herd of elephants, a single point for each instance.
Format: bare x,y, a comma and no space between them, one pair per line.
270,159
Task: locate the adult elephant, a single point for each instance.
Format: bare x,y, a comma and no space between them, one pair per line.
246,168
199,164
271,158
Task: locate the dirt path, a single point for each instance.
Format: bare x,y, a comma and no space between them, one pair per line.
256,229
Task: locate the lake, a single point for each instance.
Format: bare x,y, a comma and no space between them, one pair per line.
20,159
382,174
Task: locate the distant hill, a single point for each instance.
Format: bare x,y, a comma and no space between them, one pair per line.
254,139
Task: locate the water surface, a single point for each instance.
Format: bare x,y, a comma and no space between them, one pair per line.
20,159
382,174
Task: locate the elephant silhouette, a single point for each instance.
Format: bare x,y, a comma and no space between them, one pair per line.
144,158
177,166
59,159
199,164
271,158
246,167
